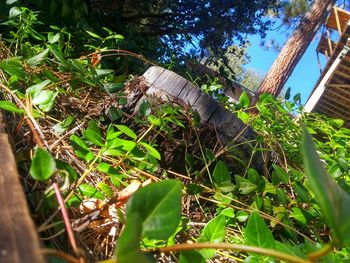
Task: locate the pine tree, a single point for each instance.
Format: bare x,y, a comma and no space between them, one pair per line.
295,47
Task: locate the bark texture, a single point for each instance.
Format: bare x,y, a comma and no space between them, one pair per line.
295,47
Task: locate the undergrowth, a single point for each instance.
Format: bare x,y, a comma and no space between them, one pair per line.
108,182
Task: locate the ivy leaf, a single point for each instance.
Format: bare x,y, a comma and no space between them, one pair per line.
93,137
43,165
37,87
105,189
244,99
334,201
153,204
42,97
151,150
257,233
127,131
37,59
90,191
13,67
282,174
221,174
298,215
191,256
213,232
53,38
128,247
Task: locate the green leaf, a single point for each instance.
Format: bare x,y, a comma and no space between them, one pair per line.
334,201
282,174
127,131
191,256
81,149
213,232
221,174
151,150
58,54
47,106
298,215
244,99
42,97
38,87
13,67
228,212
121,144
257,233
152,203
37,59
14,11
113,87
53,38
43,165
105,189
9,106
295,251
93,34
128,246
242,216
90,191
62,126
287,94
93,137
245,118
244,185
10,2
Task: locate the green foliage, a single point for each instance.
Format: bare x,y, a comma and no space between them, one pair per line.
148,215
274,207
43,165
334,201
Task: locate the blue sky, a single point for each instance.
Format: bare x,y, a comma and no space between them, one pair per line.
304,75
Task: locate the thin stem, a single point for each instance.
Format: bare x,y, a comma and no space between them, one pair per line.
243,248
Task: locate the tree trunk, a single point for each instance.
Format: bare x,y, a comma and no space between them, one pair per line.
295,47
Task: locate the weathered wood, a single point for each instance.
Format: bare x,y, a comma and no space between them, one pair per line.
18,238
167,85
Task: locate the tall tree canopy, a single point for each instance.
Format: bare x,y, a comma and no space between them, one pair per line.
207,24
295,47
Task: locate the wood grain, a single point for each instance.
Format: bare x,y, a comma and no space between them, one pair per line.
18,238
169,86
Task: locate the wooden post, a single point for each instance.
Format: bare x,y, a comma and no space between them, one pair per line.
18,238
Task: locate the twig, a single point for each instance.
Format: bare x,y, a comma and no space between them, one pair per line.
66,220
28,114
239,247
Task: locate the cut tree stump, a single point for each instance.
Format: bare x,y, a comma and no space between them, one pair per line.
169,86
18,237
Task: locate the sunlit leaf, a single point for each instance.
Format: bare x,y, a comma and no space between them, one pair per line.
128,246
127,131
257,233
43,165
151,150
90,191
37,59
334,201
9,106
244,99
152,203
93,137
213,232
